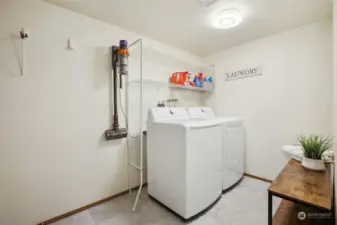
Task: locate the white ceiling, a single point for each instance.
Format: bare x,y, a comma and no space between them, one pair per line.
185,23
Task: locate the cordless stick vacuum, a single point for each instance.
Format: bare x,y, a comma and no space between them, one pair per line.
119,59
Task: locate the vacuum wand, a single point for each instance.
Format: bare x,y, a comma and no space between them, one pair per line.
115,124
119,60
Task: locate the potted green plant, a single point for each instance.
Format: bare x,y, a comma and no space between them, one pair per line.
313,148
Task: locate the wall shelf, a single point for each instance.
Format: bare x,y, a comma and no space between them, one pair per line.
149,83
191,88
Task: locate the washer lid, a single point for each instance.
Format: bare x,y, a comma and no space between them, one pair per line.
163,114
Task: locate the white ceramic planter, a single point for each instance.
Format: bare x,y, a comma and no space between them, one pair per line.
313,164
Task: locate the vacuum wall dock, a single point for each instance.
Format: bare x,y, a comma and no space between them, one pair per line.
119,59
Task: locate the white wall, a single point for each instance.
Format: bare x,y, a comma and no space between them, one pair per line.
53,157
293,96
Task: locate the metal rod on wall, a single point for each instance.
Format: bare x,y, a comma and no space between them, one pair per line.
141,169
23,35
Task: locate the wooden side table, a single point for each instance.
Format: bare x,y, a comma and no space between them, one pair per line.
302,190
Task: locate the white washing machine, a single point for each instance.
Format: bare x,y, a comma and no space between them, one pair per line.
233,144
184,161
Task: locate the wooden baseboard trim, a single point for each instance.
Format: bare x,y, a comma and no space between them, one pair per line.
57,218
258,178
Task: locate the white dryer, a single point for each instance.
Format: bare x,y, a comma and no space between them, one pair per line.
233,144
184,161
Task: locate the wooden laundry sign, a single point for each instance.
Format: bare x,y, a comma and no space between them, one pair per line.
243,73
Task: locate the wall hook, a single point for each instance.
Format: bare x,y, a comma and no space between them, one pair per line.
23,34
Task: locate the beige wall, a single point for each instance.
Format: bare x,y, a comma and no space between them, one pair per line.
53,158
293,95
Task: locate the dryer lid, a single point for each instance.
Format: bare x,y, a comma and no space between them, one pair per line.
231,121
201,113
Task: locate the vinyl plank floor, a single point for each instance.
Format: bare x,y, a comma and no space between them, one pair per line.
245,204
81,218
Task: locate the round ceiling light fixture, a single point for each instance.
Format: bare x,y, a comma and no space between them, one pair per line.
226,18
